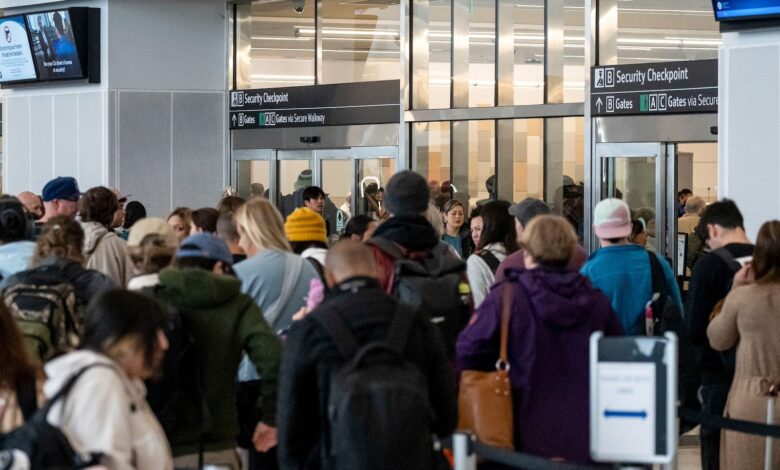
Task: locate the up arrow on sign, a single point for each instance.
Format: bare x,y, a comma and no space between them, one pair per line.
234,119
599,104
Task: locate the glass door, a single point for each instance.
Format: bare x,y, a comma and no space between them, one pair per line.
641,174
353,179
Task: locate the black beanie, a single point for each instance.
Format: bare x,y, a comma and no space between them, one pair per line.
407,194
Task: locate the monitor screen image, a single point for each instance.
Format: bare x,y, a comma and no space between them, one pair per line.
54,45
731,10
16,62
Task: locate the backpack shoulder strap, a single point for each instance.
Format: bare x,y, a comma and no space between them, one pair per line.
724,254
400,326
27,397
65,390
334,326
489,259
657,273
318,268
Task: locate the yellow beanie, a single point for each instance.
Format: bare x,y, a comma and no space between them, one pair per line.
305,225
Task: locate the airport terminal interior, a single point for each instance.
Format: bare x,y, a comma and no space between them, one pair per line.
179,103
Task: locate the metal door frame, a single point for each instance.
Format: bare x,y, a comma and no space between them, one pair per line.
665,176
316,157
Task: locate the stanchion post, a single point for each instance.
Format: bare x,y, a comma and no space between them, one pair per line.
463,451
770,420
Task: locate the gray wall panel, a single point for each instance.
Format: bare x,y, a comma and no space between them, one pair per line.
66,131
41,145
145,149
112,163
198,136
91,139
17,114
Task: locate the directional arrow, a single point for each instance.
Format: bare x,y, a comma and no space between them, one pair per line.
599,104
625,414
234,120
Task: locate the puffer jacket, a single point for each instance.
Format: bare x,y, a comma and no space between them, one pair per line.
107,253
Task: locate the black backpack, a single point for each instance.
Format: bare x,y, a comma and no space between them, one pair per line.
490,259
46,446
435,282
176,396
667,315
378,407
43,303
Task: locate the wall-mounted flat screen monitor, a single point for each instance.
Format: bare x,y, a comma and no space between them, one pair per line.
16,61
54,45
737,10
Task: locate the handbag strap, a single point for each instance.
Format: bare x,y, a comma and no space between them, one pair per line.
506,311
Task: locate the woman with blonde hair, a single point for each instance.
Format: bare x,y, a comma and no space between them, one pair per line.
18,376
552,313
277,279
750,321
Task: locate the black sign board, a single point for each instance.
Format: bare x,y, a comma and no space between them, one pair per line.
655,88
316,106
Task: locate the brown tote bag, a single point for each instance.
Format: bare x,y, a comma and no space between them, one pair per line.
485,398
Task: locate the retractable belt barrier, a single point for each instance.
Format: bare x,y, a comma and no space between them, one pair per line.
738,425
490,454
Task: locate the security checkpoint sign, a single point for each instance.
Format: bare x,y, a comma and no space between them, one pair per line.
633,399
655,88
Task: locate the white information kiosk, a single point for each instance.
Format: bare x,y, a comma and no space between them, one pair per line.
633,399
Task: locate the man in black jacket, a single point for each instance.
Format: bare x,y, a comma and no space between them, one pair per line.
722,227
311,357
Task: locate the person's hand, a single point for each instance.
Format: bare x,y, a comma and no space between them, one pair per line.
264,438
300,314
744,276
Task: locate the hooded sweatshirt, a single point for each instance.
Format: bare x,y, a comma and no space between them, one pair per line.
106,412
411,233
554,312
224,323
15,257
107,253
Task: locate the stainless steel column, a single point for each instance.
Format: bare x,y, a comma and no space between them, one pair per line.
420,78
553,54
460,159
244,46
318,75
460,54
505,96
607,32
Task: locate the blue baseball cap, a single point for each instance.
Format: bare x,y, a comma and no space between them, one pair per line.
205,245
63,187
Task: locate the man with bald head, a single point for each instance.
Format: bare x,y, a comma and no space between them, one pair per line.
356,302
33,204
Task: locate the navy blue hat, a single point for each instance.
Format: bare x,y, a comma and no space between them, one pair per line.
63,187
205,245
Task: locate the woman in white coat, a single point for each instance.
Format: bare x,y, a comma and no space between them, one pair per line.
105,412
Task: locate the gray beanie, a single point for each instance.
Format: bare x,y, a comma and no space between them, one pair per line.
407,193
527,209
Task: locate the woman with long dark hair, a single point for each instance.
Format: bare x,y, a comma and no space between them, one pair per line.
496,241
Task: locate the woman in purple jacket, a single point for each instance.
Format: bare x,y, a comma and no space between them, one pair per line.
554,311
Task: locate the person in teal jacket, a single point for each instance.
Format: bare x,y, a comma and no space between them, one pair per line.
622,270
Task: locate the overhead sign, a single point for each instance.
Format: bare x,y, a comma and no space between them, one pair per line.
316,106
633,399
655,88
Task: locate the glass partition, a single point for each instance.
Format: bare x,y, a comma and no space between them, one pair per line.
657,31
293,177
360,41
282,54
432,157
253,178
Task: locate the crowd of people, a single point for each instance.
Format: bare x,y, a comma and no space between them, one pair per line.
241,337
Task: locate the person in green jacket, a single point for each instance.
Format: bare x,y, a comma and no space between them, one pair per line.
224,323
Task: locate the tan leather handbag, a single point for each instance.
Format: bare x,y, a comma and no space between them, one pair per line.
485,398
